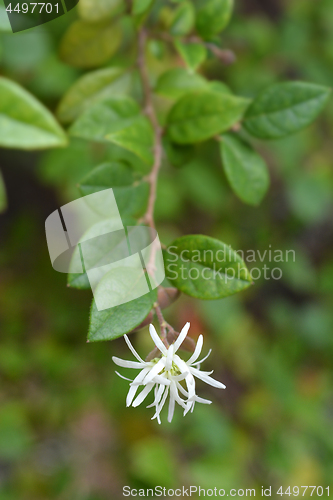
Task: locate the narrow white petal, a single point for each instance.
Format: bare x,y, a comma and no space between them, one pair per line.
190,382
159,379
139,378
197,351
182,390
182,376
135,385
125,378
181,337
174,392
133,351
131,394
171,407
127,364
142,396
160,406
158,342
155,370
158,395
203,359
169,358
188,407
203,401
209,380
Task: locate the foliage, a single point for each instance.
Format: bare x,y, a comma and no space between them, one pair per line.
272,342
200,110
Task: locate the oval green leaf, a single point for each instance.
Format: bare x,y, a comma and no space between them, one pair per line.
205,268
200,115
213,16
245,169
193,54
137,137
91,88
131,194
110,324
183,20
98,10
24,122
105,117
285,108
177,82
99,252
86,45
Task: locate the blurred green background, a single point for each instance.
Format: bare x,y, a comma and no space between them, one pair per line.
64,430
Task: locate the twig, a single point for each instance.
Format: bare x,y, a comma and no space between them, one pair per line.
153,176
226,56
158,131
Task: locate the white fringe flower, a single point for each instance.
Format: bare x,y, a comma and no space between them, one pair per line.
164,375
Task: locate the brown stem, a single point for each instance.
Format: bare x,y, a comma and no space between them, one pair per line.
153,176
158,131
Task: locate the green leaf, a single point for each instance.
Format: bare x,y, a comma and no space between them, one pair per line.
24,122
119,121
104,117
245,169
3,197
178,155
98,254
205,268
4,21
110,324
140,6
201,115
137,137
131,195
98,10
193,54
183,20
216,86
91,88
176,82
213,16
86,45
285,108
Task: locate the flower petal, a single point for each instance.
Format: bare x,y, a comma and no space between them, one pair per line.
125,378
142,396
135,385
160,406
159,379
139,378
155,371
206,378
127,364
197,351
203,359
158,342
158,395
197,399
169,358
131,394
181,337
171,407
133,351
174,392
